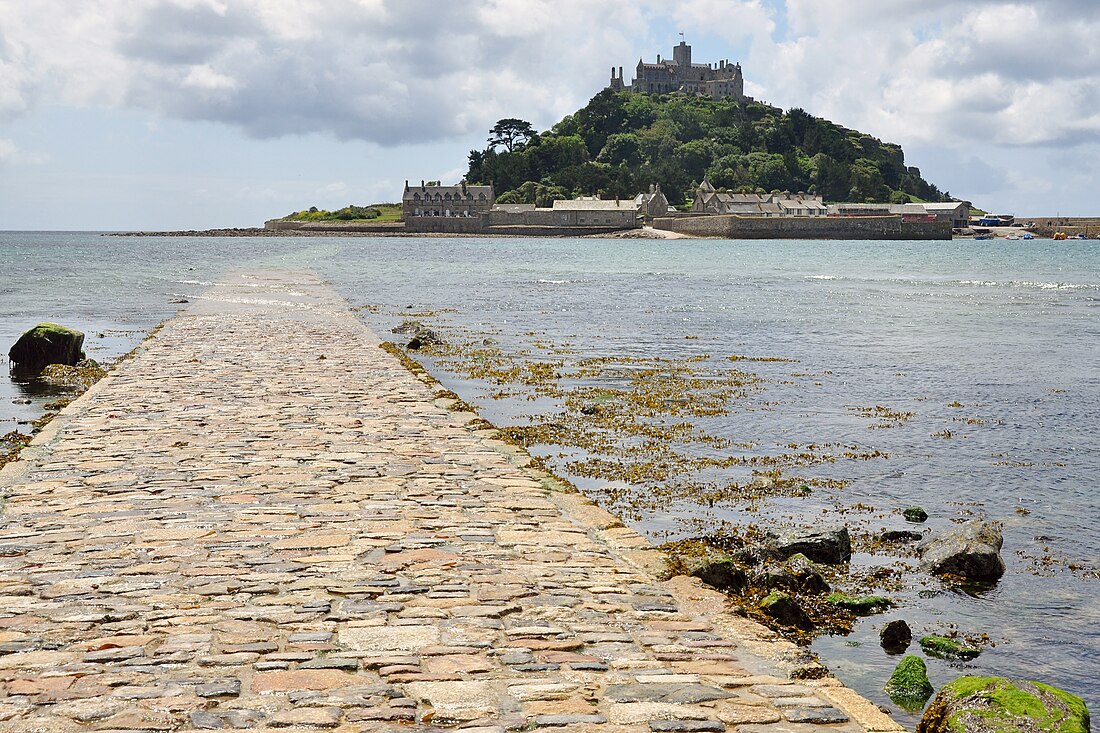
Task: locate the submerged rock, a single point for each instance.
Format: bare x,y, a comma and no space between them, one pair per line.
970,550
860,605
895,637
419,334
909,687
900,535
915,514
829,546
943,648
46,343
999,705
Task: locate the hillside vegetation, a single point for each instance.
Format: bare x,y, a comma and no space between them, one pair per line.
620,143
374,212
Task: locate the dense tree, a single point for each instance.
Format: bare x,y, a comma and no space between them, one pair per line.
620,143
510,133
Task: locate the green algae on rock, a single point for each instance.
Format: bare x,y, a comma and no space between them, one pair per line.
1000,705
861,605
943,648
785,610
915,514
46,343
909,687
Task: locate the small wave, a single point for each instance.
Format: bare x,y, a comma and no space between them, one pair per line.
195,282
553,282
822,277
1033,284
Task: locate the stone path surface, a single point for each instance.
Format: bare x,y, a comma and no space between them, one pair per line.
264,521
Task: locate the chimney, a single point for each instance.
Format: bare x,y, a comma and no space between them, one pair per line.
612,73
422,184
406,184
620,73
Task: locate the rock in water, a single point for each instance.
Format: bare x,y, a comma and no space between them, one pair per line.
943,648
46,343
909,687
970,550
895,637
988,704
829,546
915,514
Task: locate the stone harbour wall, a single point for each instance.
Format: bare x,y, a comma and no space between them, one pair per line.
745,227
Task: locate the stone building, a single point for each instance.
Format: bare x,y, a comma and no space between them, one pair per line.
653,204
446,201
722,80
607,215
709,201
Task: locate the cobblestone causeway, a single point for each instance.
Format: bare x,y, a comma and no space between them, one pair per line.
263,521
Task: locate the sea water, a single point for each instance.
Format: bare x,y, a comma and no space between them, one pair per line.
1002,334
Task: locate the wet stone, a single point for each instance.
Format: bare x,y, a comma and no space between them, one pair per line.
821,715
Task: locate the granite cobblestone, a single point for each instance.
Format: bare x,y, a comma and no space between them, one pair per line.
262,521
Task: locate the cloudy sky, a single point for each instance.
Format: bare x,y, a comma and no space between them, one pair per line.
159,114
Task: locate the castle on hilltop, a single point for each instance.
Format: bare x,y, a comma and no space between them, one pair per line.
717,81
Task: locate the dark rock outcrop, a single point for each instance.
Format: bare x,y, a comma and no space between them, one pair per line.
719,571
970,550
46,343
996,704
785,611
900,535
829,546
419,335
895,637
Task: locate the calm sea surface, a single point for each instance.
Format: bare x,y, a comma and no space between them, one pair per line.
993,346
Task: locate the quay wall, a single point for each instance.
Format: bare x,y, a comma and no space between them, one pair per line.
817,227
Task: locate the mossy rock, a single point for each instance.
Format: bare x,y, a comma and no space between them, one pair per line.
909,687
46,343
717,570
943,648
915,514
860,605
786,611
999,705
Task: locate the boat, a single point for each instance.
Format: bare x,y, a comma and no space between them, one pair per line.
1014,235
982,236
1029,235
1059,237
1080,235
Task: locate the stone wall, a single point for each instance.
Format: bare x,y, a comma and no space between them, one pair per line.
624,217
448,224
360,227
746,227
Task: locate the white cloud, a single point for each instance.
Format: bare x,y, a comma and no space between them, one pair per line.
7,149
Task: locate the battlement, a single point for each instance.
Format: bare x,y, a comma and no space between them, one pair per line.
721,80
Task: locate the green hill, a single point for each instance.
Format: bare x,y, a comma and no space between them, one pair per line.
621,142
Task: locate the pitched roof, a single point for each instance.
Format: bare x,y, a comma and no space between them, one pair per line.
584,204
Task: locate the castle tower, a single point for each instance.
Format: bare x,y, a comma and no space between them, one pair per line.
682,55
617,83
